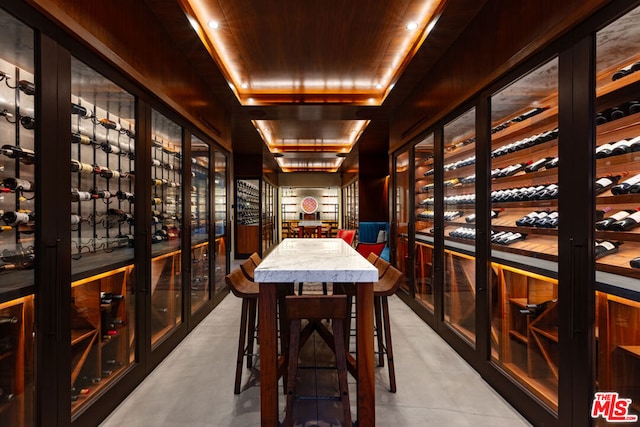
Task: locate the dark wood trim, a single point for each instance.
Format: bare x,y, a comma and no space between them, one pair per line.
53,263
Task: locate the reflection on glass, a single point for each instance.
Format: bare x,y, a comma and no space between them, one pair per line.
103,145
166,220
524,224
18,221
402,206
459,225
424,221
200,258
617,198
247,216
221,233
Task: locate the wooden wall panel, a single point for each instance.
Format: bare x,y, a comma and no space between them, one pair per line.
126,35
503,34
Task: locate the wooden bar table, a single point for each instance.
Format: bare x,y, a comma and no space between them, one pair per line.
316,260
310,224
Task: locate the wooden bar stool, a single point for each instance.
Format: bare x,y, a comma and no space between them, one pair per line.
243,288
387,285
315,308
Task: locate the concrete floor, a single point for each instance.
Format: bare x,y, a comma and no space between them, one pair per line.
193,386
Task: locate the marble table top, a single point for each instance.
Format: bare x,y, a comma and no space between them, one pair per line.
314,260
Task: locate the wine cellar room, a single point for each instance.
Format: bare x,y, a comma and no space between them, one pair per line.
508,184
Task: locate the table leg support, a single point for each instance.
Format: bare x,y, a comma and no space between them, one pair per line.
365,355
268,355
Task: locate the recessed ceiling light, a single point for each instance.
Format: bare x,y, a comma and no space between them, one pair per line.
214,25
245,85
412,26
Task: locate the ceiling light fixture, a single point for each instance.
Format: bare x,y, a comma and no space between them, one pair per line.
412,26
214,25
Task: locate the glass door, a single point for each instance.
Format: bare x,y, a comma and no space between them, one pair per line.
617,201
18,222
166,227
402,208
200,207
103,148
424,233
221,219
524,231
459,230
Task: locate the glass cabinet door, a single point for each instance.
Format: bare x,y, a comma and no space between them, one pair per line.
459,229
617,202
103,147
166,226
221,232
200,207
17,222
524,231
402,206
424,241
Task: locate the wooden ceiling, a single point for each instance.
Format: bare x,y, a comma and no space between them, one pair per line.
309,80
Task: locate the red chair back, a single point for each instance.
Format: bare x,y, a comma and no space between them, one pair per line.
347,235
365,249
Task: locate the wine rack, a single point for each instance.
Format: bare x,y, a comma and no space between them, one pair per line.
18,219
247,205
328,209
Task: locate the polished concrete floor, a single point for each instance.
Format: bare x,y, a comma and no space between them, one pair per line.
193,386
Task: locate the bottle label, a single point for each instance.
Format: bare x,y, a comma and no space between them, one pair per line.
635,216
604,182
619,215
608,245
633,180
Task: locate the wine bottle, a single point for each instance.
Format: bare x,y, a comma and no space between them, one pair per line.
627,223
549,192
604,150
28,122
635,262
81,111
80,196
155,201
634,144
155,162
537,165
14,218
27,87
78,138
5,228
119,215
621,147
550,221
17,184
606,223
537,309
100,194
553,163
8,320
26,156
622,73
125,195
108,148
16,266
616,113
80,167
601,119
623,187
634,107
605,183
599,216
606,247
109,124
528,219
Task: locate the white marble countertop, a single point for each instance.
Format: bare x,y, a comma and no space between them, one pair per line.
315,260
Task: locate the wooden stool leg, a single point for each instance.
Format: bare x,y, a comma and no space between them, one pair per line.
294,348
389,345
379,330
341,364
241,343
251,331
